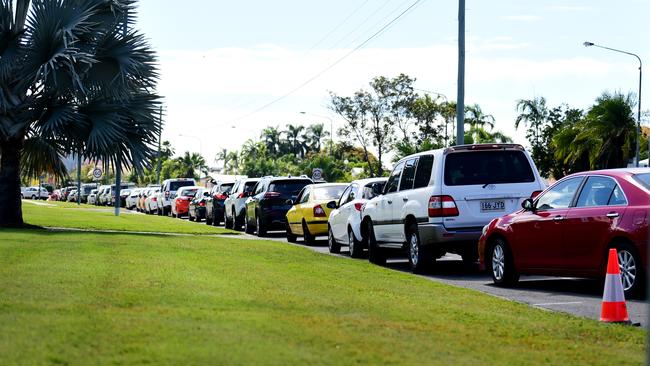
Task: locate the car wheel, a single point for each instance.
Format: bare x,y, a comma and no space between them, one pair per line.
291,238
375,253
501,264
208,220
236,224
227,223
334,247
355,246
189,216
418,257
33,197
247,226
306,235
632,275
261,230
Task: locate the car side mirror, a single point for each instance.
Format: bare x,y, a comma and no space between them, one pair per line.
528,204
289,202
332,205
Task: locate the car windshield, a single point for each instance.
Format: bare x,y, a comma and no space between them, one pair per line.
328,193
225,187
487,167
248,187
644,179
189,192
288,187
174,186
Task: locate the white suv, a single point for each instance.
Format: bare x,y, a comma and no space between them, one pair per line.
438,201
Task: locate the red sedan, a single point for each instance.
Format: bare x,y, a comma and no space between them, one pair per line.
568,229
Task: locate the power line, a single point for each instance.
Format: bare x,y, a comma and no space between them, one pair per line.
337,27
317,75
360,25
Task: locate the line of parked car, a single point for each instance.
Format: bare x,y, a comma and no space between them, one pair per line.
486,203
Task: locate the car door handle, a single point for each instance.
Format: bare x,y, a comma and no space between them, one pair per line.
612,215
405,199
389,202
558,218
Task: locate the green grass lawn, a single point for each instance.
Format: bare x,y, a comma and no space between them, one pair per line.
69,215
83,298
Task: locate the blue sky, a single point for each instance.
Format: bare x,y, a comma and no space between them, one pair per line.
220,61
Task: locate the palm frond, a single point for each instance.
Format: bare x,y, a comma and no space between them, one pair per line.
42,155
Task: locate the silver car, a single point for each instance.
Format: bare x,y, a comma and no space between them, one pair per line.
235,204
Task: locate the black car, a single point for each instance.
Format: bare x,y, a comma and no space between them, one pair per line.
196,209
214,206
267,208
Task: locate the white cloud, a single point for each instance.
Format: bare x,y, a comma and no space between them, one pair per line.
206,93
522,18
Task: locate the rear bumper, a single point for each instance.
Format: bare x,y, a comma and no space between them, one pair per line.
448,239
317,227
274,219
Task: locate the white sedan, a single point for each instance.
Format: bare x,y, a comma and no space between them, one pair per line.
344,222
33,193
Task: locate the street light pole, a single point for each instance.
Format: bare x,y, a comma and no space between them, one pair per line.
460,100
331,127
638,123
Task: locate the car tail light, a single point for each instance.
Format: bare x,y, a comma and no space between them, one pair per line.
535,194
318,211
358,206
154,199
442,206
271,194
220,196
167,194
241,195
202,204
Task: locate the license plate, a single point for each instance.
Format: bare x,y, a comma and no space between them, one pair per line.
493,205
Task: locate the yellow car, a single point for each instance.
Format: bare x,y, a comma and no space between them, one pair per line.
309,214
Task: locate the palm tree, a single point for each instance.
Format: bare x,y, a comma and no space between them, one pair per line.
72,79
534,113
294,134
474,116
190,163
233,165
222,156
272,138
315,135
448,113
479,135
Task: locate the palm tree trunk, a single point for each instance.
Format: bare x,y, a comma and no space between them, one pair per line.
11,214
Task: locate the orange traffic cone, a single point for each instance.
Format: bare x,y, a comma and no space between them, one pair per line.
614,309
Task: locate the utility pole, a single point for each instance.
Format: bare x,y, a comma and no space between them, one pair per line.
79,177
159,167
460,100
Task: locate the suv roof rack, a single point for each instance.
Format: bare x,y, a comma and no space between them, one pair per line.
483,147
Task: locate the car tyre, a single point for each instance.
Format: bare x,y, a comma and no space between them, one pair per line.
261,229
237,224
334,247
419,259
354,245
376,254
227,223
291,237
501,264
632,275
306,235
189,216
247,226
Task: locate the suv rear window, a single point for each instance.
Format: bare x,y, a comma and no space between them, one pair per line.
288,187
487,167
248,186
174,186
225,188
644,179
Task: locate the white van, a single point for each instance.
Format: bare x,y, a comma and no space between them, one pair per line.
438,201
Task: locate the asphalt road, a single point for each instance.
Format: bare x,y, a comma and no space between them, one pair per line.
575,296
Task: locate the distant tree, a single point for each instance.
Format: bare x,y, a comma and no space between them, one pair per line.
190,164
294,138
315,135
353,111
272,138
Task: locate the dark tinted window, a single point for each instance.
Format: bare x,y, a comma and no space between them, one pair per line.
174,186
190,192
644,179
408,176
328,193
487,167
423,173
248,187
226,187
288,187
393,179
599,191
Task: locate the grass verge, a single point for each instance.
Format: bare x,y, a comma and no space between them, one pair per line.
69,215
83,298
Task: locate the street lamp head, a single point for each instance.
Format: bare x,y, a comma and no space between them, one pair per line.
588,44
303,112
